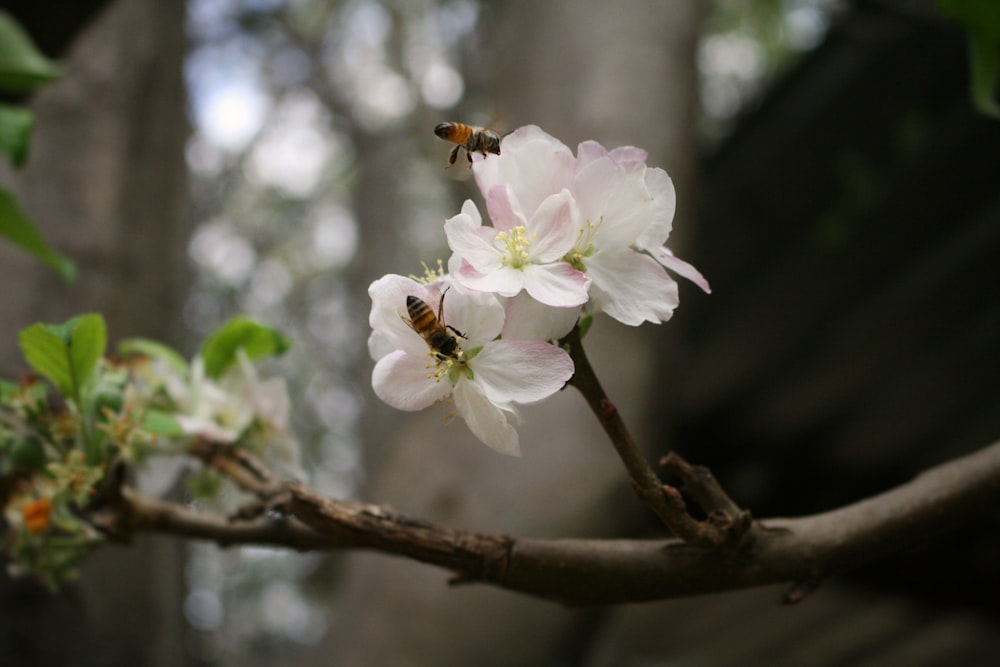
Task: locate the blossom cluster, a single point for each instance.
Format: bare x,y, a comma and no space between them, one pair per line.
135,407
570,236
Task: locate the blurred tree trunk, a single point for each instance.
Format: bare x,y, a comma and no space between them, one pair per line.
621,73
106,182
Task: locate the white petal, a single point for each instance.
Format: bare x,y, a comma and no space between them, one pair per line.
521,371
487,421
661,189
554,228
631,287
473,242
388,317
531,163
477,315
528,319
404,381
615,196
558,284
504,281
665,257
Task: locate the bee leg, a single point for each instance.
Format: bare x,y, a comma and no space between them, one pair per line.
456,332
453,156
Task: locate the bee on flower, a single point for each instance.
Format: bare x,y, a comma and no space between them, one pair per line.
484,377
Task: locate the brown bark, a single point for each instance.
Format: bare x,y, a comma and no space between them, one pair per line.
799,551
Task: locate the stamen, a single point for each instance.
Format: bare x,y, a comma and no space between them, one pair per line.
584,246
516,242
430,275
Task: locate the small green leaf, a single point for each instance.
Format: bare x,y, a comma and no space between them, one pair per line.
257,340
22,66
161,423
88,343
981,19
18,229
47,353
15,133
65,353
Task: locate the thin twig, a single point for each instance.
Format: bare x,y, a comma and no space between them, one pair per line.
664,500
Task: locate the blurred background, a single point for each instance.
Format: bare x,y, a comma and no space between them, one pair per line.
273,157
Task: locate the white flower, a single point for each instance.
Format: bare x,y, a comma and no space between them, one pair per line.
208,411
519,253
224,410
623,210
485,377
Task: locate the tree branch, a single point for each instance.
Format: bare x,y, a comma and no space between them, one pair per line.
577,572
665,501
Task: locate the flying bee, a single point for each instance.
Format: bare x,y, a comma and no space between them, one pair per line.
431,328
473,139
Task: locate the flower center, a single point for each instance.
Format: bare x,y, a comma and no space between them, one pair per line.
584,246
516,244
448,367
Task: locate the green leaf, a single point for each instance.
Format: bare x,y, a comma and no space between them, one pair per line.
154,350
87,343
22,66
257,340
981,19
18,229
15,132
65,353
158,422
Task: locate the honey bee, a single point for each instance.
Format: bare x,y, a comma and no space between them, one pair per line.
473,139
430,327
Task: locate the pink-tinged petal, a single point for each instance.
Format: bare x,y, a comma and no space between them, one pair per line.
556,284
501,209
627,154
473,243
661,189
587,152
631,287
532,163
554,228
528,319
405,382
504,281
487,421
665,257
521,371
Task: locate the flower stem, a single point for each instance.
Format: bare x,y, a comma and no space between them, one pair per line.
664,500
